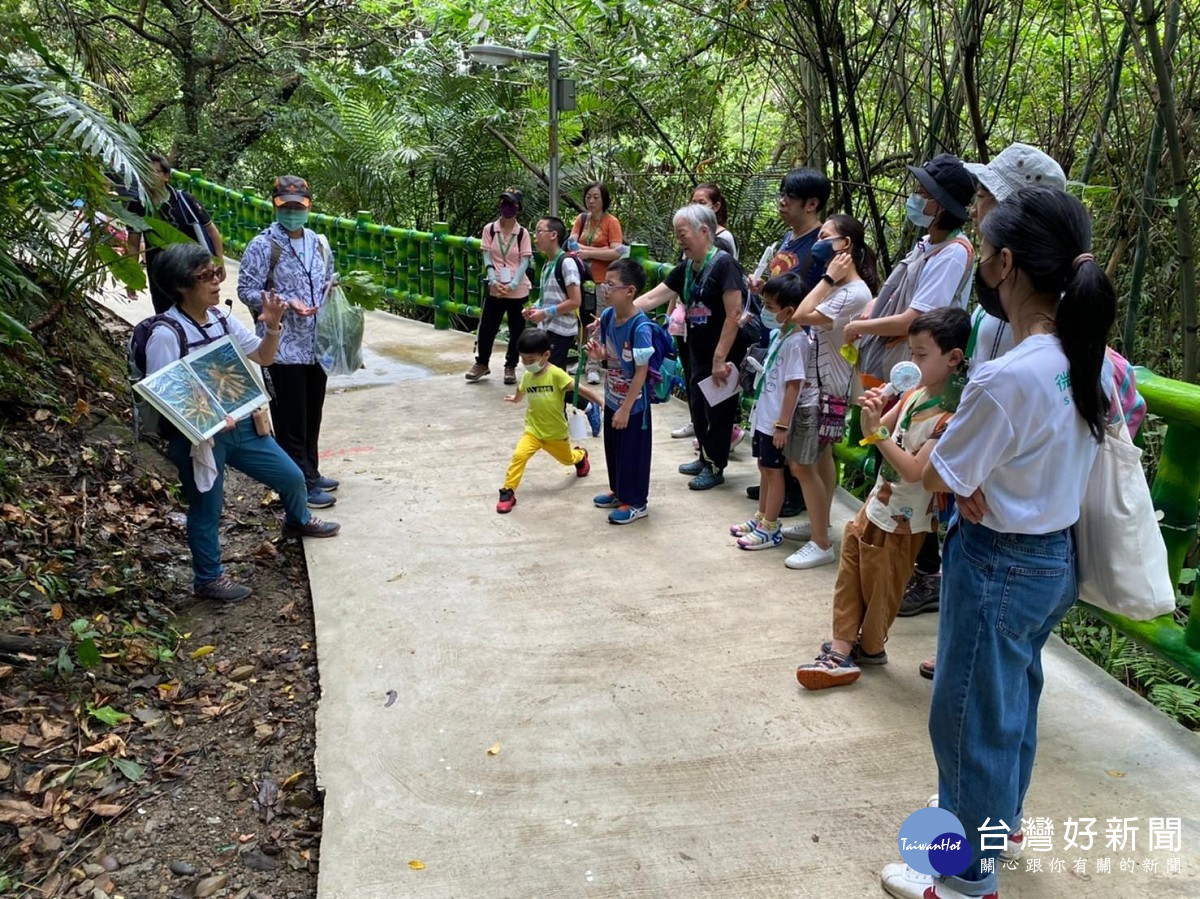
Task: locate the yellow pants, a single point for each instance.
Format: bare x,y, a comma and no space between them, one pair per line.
527,448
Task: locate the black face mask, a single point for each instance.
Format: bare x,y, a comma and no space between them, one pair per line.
988,296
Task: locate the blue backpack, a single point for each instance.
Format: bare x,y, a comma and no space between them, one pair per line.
664,371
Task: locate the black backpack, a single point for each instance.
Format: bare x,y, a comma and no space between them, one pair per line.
145,416
585,273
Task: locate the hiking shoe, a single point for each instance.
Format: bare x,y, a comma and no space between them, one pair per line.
627,513
605,501
737,437
583,466
508,499
223,589
752,492
810,556
320,499
594,419
926,668
829,669
761,538
741,530
327,484
707,479
593,377
921,594
693,468
478,371
857,655
510,375
314,527
793,505
684,430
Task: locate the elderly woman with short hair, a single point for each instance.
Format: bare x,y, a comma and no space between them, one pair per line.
711,286
186,275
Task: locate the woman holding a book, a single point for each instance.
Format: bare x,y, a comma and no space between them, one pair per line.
186,274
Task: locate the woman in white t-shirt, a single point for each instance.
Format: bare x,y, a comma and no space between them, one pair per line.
843,292
187,278
1017,454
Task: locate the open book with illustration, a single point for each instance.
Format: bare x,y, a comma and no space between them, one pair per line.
196,392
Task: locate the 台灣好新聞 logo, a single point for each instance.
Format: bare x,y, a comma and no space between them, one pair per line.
933,841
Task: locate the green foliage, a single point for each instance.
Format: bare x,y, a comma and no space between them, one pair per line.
106,714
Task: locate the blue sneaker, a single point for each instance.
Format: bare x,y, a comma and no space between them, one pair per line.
327,484
626,514
707,479
319,499
594,419
693,468
606,501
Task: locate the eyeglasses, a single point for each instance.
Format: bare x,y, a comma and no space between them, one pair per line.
209,274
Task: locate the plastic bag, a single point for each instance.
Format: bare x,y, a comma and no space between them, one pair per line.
338,344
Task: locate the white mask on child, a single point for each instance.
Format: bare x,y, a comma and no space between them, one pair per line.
535,367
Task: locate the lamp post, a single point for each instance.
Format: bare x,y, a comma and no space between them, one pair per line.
562,95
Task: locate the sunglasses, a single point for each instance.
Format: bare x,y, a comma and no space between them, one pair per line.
209,274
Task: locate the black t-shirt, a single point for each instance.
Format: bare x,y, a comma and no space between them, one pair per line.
180,210
705,308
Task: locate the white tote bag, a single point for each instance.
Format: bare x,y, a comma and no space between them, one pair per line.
1122,556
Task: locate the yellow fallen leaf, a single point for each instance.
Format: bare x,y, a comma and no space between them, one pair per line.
202,651
1113,772
417,865
494,749
56,611
291,780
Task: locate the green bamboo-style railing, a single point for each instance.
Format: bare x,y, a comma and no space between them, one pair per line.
443,272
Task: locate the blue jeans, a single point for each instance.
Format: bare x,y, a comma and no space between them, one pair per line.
259,457
1002,595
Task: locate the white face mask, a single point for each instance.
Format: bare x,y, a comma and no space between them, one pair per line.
915,208
535,367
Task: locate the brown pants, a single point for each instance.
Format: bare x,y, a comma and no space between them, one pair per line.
874,568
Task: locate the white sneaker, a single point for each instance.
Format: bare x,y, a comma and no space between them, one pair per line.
898,879
801,532
810,556
593,377
687,430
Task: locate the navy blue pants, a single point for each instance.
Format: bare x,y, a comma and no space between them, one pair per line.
627,454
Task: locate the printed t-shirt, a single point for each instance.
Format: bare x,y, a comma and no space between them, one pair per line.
704,309
785,361
1018,435
903,507
162,347
602,235
505,254
627,345
565,325
842,306
546,395
794,254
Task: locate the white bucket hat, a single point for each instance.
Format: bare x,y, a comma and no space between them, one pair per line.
1016,167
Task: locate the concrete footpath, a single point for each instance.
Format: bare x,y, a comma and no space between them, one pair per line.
541,704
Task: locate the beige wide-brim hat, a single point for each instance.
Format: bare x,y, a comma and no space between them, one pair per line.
1016,167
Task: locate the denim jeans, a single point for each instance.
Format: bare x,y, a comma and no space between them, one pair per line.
1002,595
259,457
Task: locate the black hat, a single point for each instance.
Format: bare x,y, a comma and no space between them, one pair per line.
513,195
948,182
291,189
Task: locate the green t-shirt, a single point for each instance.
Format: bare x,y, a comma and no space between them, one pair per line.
546,394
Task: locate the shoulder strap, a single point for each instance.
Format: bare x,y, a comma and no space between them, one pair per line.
276,252
223,318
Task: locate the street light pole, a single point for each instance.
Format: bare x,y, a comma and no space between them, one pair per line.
553,63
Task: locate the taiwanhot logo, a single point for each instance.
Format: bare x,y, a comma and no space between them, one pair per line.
933,841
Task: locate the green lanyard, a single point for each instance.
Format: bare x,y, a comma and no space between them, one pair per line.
548,269
505,247
689,278
974,335
761,380
914,409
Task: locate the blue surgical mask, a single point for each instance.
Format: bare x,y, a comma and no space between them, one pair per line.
771,320
822,252
535,367
291,219
915,208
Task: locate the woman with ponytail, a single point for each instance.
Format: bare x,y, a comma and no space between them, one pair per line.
1018,454
850,281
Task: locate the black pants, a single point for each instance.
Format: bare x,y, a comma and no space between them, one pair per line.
296,410
560,352
929,559
494,310
713,424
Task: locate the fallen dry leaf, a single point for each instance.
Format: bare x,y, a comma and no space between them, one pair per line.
494,749
19,813
202,651
417,865
56,611
110,743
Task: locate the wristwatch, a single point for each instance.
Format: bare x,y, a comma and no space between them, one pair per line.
828,279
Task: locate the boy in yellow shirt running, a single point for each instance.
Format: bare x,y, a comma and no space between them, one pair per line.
547,387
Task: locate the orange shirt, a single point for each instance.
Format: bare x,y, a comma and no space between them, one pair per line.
604,235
